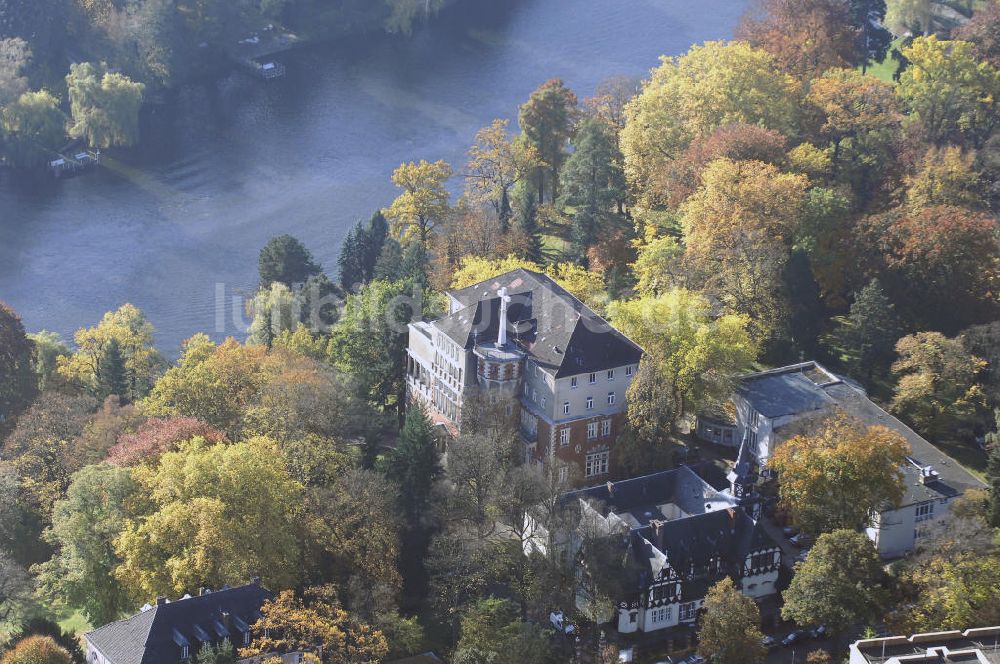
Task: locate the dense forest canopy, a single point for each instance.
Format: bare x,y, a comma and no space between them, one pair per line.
750,203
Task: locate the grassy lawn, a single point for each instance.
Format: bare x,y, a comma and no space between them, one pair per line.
75,623
885,69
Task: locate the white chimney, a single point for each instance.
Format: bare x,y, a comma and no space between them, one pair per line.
504,299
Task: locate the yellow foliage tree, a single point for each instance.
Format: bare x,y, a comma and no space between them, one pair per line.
840,475
424,202
315,623
134,335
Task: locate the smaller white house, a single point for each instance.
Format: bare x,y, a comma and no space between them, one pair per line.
976,646
679,536
772,406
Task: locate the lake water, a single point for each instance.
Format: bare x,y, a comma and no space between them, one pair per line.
175,222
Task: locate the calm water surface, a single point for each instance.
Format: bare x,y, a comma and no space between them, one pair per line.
236,161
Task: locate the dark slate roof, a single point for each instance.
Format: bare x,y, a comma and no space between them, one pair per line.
154,636
690,543
640,496
787,391
560,332
952,478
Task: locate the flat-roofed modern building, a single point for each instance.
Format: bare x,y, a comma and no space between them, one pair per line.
972,646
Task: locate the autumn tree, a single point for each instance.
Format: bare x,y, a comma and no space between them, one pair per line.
946,176
133,334
273,310
738,228
286,260
652,413
952,96
937,389
730,629
217,514
837,585
84,527
806,37
857,118
696,355
547,120
37,650
424,202
712,85
49,347
939,264
18,383
158,435
948,591
104,105
841,474
497,163
983,30
315,622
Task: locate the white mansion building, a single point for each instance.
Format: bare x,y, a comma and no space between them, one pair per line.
522,336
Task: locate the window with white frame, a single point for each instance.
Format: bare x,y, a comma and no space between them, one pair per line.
564,437
611,398
629,370
543,401
593,378
572,382
597,464
590,402
606,428
661,614
925,511
687,611
611,374
563,473
591,430
565,408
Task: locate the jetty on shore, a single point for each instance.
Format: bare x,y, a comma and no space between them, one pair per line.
255,52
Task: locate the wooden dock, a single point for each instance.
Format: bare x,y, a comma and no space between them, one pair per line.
65,165
255,52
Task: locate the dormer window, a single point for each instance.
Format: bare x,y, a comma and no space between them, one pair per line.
246,638
185,652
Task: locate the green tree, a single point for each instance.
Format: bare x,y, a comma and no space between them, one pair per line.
840,475
838,585
415,463
286,260
993,474
951,94
592,181
361,250
84,527
526,221
18,383
937,389
111,377
49,347
33,125
873,38
652,413
547,121
217,514
16,591
697,355
220,654
369,340
869,332
104,105
274,310
424,202
493,632
730,629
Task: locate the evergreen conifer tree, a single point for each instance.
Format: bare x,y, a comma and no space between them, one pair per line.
112,377
415,463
